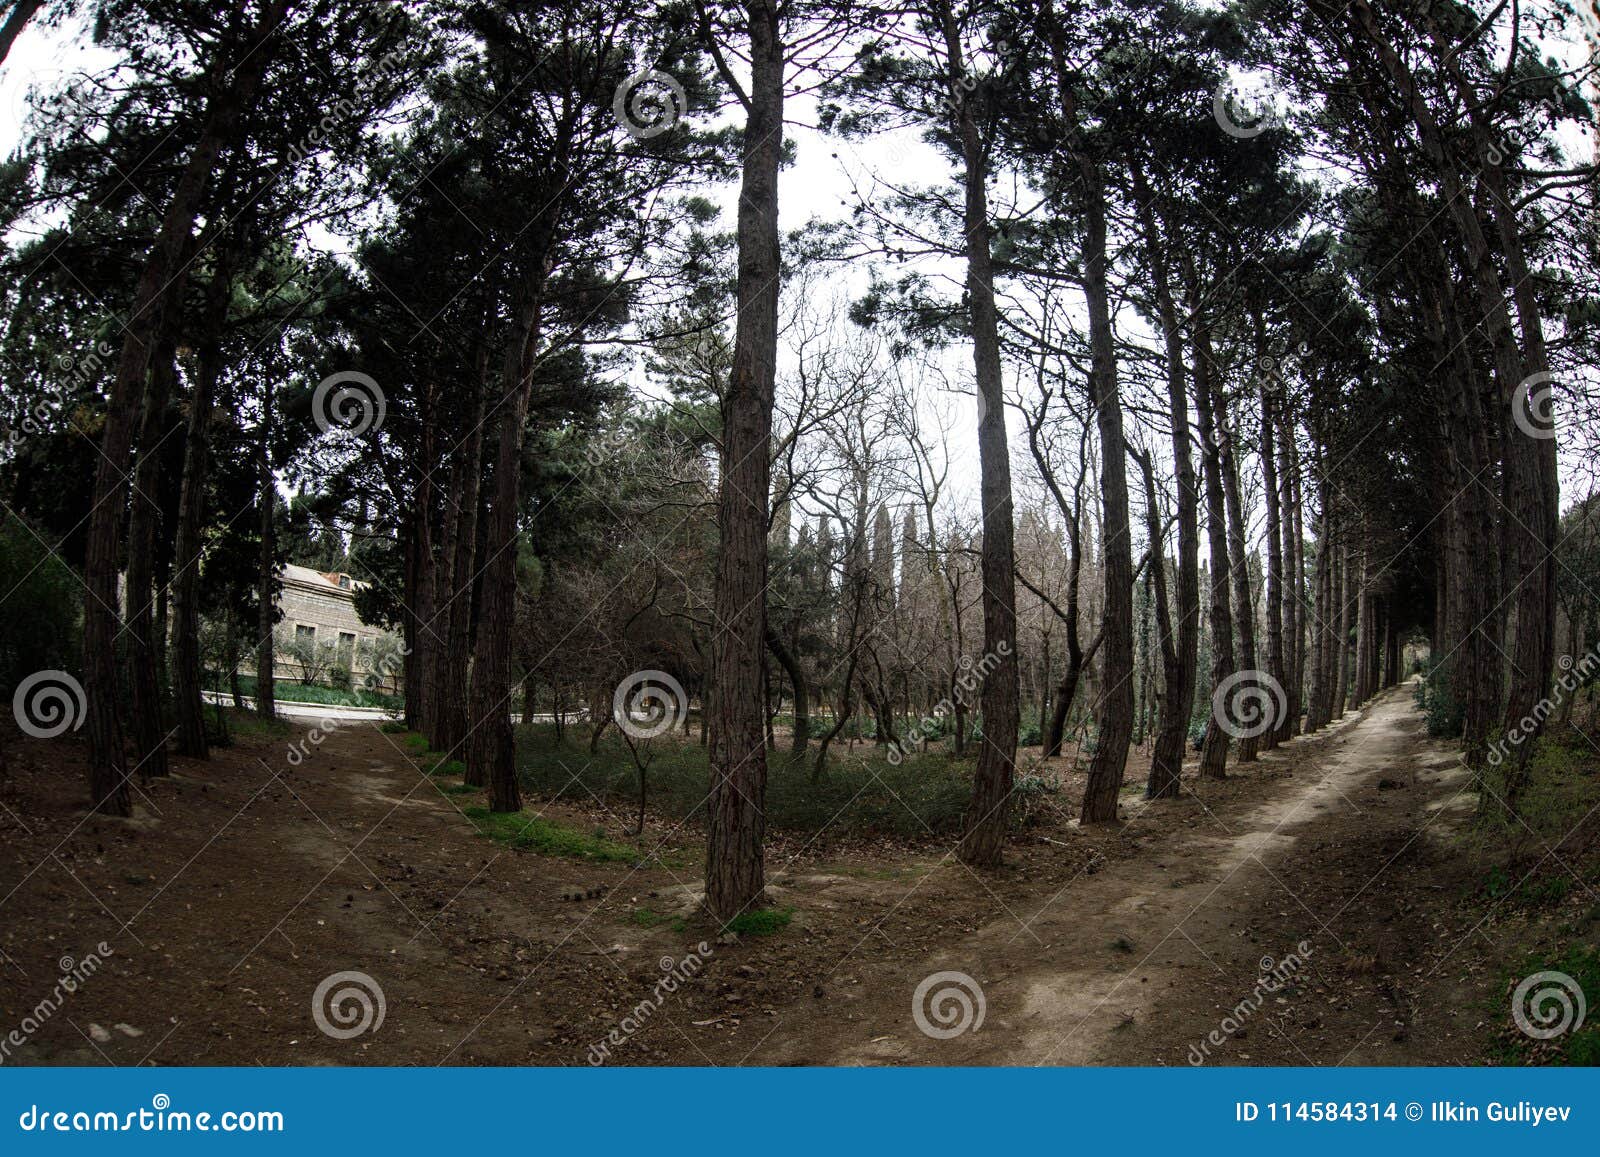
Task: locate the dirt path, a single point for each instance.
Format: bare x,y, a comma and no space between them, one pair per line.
1120,967
248,880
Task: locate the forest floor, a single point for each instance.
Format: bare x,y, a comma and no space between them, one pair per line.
242,883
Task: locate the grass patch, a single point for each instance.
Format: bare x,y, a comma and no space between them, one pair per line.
286,691
1582,963
250,724
443,767
394,727
1562,783
650,918
460,789
537,834
761,921
894,872
862,793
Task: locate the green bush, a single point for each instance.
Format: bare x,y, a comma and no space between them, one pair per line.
291,692
40,602
1440,706
761,921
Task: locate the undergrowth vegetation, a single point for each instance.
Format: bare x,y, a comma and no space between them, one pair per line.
859,792
1543,867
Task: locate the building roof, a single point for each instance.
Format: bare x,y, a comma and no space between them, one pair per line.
321,580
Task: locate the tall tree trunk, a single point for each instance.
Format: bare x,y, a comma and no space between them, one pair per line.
1363,601
187,679
491,747
1238,566
984,828
1276,667
161,280
454,704
266,565
1214,748
409,626
428,641
1346,591
21,11
1179,658
736,820
145,647
1294,563
1316,713
1114,726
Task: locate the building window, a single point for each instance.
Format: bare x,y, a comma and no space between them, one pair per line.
347,647
344,582
304,634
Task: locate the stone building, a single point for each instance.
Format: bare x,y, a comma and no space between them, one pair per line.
319,619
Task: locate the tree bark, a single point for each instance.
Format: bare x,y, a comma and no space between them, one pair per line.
1238,566
491,747
16,20
454,707
1179,657
266,565
1214,748
736,820
188,676
161,280
984,828
797,682
1316,715
1345,592
145,647
1114,726
1275,560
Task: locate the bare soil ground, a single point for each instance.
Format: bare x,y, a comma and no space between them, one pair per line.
244,882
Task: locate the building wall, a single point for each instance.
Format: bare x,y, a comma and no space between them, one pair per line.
309,600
